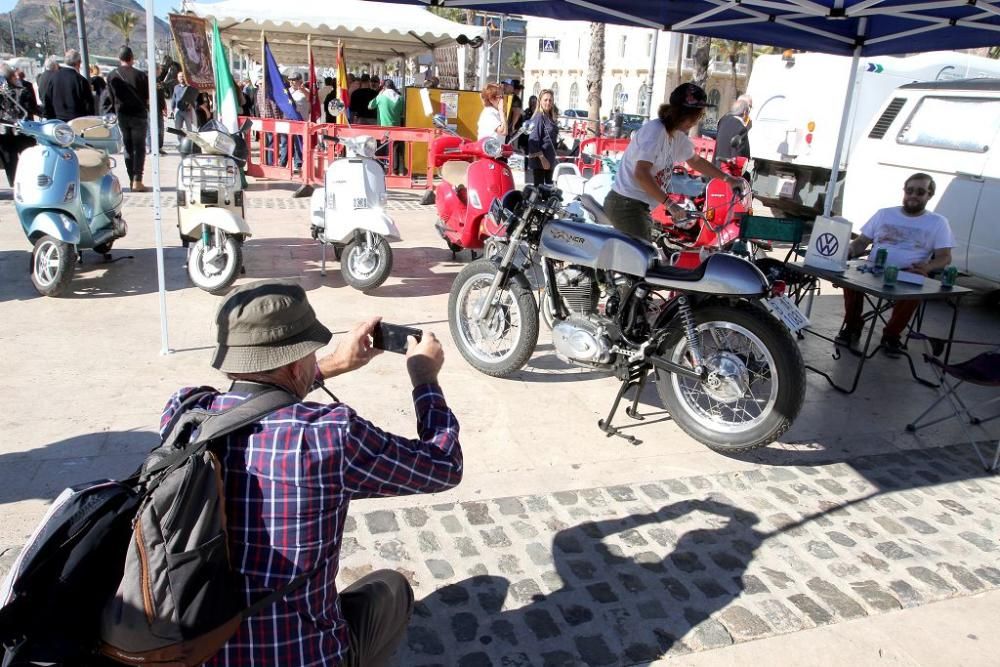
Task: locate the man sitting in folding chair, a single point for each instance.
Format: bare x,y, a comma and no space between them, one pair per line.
982,369
917,240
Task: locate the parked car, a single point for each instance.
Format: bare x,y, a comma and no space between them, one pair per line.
950,130
568,116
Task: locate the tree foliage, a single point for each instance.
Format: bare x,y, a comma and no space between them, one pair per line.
124,22
595,74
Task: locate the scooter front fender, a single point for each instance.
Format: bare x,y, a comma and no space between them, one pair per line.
340,228
228,221
56,224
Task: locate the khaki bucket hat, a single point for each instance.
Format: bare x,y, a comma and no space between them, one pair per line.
265,325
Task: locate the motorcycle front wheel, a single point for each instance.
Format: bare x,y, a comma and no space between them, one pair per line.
52,264
214,267
756,379
503,341
366,265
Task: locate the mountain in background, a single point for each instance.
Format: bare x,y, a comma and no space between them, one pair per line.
32,24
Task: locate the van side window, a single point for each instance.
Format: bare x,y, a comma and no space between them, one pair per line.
954,123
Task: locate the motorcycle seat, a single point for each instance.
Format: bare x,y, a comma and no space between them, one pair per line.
663,274
90,127
455,172
594,208
94,164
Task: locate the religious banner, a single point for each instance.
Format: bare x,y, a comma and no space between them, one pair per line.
195,54
446,61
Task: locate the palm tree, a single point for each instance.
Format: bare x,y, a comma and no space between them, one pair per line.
59,15
731,51
516,61
994,52
124,22
702,59
595,73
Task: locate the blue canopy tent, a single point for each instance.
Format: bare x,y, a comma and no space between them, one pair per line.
844,27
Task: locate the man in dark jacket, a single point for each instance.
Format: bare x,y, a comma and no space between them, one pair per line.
128,97
67,93
731,140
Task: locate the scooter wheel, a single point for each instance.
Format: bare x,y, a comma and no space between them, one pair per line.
52,265
215,272
365,266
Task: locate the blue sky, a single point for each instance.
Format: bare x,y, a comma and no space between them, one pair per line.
162,6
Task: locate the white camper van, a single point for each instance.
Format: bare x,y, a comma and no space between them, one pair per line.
950,130
798,101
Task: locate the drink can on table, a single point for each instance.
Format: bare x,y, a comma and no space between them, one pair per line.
948,277
890,275
880,258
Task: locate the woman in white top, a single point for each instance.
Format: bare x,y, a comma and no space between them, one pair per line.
492,120
642,179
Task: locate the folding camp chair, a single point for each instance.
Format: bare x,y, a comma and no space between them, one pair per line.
759,234
982,369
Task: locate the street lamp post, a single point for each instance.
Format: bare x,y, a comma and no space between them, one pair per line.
81,31
10,20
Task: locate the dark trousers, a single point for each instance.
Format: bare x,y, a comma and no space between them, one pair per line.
134,137
629,215
377,609
540,176
854,303
11,146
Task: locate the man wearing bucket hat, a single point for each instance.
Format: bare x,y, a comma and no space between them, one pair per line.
290,478
644,174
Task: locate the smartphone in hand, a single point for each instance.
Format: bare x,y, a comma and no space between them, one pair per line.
392,337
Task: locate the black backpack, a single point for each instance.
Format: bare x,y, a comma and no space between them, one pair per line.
138,570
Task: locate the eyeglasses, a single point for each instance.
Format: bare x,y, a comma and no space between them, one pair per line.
920,192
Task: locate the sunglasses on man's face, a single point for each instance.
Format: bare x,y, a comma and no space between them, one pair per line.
920,192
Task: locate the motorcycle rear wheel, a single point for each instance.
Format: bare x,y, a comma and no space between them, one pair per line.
505,340
756,384
208,274
52,265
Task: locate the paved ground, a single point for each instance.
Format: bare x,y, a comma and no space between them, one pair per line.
561,546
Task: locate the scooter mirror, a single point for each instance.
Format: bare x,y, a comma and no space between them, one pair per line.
247,124
110,119
440,121
335,107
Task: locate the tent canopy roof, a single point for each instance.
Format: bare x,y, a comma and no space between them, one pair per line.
879,27
369,31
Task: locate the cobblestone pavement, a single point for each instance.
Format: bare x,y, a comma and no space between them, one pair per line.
626,574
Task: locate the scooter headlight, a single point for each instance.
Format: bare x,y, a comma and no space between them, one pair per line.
224,144
492,147
364,145
63,134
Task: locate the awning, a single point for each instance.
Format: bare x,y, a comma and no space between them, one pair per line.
370,32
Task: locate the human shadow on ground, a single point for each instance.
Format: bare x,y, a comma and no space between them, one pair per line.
604,607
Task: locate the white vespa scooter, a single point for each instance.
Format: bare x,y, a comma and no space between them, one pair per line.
348,212
211,215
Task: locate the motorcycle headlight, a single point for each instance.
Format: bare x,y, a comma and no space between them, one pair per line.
224,143
364,145
63,134
492,147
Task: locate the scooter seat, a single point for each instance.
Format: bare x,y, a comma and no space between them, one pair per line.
90,127
93,164
591,206
455,172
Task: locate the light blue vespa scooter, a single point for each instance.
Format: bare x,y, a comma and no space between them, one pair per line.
66,196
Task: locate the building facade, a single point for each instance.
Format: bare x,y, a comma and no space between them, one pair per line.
557,53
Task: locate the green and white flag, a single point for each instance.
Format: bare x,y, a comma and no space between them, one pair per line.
226,109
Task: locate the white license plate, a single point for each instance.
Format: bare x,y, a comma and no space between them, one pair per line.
360,202
785,310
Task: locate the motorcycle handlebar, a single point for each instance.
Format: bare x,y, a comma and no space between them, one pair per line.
176,130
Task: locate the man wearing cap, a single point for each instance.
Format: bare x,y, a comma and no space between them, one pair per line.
290,478
644,175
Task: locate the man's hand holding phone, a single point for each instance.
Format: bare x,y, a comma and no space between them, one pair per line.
424,359
353,352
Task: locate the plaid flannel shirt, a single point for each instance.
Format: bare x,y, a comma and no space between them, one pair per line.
266,107
288,484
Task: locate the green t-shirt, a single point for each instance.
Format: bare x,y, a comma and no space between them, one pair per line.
390,112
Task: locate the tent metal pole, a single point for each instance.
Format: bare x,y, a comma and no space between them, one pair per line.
831,187
651,76
154,141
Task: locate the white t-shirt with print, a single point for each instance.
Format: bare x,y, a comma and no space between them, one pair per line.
489,120
301,101
909,239
651,144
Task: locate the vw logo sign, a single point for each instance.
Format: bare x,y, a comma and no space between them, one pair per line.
827,244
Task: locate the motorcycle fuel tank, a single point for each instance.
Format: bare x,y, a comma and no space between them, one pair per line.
597,247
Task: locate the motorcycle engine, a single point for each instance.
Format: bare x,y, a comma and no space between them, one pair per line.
578,290
583,339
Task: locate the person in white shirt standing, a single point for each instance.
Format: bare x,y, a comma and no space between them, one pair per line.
492,120
916,239
300,96
644,174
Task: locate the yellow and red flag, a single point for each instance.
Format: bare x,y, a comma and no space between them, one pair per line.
342,94
315,104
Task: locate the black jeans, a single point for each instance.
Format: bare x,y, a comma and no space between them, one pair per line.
629,215
540,176
377,609
134,137
11,146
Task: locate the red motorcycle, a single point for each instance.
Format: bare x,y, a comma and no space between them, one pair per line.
714,214
472,176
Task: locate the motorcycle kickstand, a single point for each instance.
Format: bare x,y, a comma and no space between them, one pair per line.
633,410
628,383
79,257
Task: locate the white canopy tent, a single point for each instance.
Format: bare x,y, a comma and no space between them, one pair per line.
402,31
369,32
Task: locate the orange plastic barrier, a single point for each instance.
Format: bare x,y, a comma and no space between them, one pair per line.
266,135
597,146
